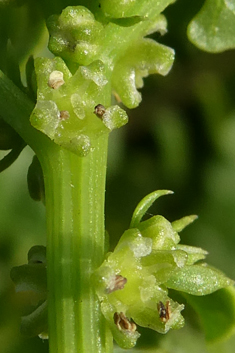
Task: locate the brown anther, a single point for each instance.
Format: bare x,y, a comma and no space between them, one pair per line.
116,283
164,311
123,323
56,79
99,110
64,115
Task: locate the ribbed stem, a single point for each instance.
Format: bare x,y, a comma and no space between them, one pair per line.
75,189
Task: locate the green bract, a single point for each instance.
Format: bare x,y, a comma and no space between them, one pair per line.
101,56
133,281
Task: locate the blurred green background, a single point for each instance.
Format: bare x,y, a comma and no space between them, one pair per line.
181,137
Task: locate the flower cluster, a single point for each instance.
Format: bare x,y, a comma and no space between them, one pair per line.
65,109
133,281
97,57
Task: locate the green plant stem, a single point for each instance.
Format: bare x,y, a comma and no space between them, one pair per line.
75,247
75,188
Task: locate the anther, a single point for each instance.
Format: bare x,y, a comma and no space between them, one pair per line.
117,282
99,110
56,79
123,323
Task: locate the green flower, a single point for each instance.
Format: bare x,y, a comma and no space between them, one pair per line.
132,283
66,104
80,39
97,56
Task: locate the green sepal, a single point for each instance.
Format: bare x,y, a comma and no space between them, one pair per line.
145,204
149,317
142,58
198,280
124,338
163,263
133,239
216,313
194,254
43,68
159,229
114,117
181,223
213,28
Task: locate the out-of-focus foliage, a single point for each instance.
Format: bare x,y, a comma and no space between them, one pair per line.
182,137
213,28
